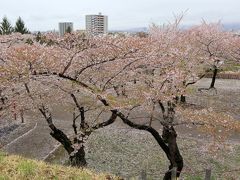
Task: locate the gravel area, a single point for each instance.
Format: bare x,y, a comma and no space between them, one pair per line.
10,132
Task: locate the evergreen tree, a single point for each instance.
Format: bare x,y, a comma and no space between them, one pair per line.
5,26
20,26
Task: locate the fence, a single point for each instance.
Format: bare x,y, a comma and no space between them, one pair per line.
207,174
224,75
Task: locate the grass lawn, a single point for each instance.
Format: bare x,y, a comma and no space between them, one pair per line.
19,168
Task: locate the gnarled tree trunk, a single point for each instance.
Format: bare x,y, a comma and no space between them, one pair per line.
176,160
77,157
74,149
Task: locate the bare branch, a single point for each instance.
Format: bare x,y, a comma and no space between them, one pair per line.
74,122
115,75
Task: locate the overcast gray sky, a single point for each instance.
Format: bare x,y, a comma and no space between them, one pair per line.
123,14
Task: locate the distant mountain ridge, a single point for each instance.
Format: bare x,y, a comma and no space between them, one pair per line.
227,26
232,26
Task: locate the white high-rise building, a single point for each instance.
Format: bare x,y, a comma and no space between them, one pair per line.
96,24
65,27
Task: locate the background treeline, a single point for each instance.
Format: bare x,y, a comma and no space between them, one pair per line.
7,28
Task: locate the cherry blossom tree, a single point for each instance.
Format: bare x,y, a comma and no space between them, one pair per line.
38,76
167,64
119,76
213,41
235,48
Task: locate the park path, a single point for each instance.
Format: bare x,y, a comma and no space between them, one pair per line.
37,143
222,84
225,98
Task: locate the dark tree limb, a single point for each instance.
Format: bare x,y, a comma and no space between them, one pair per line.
57,133
108,122
162,109
75,80
151,130
83,124
76,149
103,62
70,61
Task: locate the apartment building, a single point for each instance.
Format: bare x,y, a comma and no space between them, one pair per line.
65,27
97,24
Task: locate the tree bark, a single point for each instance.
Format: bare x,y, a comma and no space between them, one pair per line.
183,99
176,160
76,155
22,116
62,138
215,71
78,159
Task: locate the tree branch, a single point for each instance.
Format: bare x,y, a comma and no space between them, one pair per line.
108,122
57,133
151,130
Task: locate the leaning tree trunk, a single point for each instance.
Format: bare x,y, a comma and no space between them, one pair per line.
168,144
169,136
215,71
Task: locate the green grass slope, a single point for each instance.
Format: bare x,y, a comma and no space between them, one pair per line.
19,168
